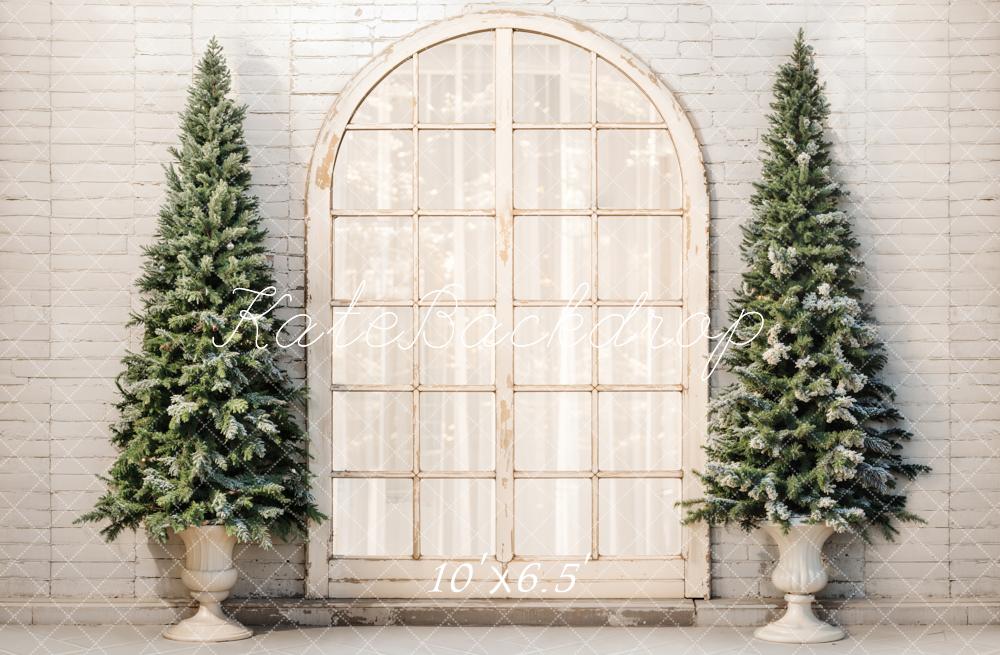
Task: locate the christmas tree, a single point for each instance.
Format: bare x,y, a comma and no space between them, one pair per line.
808,429
207,430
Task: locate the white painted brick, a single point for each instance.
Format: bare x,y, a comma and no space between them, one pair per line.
914,93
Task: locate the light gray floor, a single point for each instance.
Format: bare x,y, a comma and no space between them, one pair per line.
142,640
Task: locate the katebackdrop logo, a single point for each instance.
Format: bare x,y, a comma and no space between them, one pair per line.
440,308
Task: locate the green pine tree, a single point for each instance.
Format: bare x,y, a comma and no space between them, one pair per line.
808,428
207,433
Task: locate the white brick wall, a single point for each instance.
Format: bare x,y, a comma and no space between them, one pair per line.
90,100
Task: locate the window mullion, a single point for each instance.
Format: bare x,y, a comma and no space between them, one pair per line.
504,354
415,311
594,359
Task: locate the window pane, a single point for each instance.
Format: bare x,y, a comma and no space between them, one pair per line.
456,169
552,257
456,518
457,257
376,252
552,431
637,169
639,255
373,517
456,345
456,81
638,517
639,431
374,170
551,169
639,347
391,101
372,431
371,345
553,517
456,431
551,80
619,100
552,345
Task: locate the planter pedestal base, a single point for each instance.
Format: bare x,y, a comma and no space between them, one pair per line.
799,625
209,624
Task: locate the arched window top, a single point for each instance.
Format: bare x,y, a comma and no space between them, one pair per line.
429,122
552,85
391,92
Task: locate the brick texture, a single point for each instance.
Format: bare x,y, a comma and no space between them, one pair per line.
90,102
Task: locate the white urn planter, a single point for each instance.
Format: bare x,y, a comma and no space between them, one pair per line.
209,575
800,574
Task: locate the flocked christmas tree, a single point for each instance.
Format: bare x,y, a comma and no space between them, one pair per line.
207,432
808,428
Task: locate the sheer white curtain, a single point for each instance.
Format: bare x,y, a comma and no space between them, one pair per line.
596,191
457,255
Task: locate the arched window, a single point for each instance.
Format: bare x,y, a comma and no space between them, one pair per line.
491,175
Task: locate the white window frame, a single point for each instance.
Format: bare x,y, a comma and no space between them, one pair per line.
693,565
